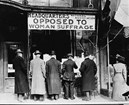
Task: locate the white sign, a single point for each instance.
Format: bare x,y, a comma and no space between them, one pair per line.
49,21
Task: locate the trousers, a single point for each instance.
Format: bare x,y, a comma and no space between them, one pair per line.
68,89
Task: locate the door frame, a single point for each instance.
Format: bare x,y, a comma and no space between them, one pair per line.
5,63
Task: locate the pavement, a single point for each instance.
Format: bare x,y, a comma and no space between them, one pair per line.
10,98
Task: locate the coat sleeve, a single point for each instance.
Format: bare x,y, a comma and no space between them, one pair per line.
82,68
46,67
95,67
59,68
23,66
124,72
75,65
31,67
63,68
43,69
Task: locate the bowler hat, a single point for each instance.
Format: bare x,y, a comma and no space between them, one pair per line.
19,51
70,55
37,52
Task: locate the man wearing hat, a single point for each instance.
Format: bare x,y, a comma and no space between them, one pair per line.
69,77
37,69
21,80
88,71
53,72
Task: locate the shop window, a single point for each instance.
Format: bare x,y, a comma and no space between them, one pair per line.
11,54
85,41
61,3
38,2
93,4
55,3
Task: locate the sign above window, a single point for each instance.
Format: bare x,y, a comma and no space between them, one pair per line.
51,21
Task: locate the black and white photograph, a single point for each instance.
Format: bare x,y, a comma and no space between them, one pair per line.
64,52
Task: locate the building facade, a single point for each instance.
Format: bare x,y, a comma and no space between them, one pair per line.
66,26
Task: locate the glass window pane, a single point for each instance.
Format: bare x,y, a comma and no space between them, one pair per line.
85,41
38,2
85,4
61,3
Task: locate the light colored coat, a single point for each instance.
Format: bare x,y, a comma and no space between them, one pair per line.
37,68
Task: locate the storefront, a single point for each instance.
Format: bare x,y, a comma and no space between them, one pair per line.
67,26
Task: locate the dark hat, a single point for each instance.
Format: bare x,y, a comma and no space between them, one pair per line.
53,52
19,51
120,58
37,52
70,55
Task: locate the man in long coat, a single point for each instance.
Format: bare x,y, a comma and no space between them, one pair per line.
53,72
37,69
88,70
21,79
69,77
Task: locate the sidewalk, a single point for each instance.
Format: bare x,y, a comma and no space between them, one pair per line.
9,98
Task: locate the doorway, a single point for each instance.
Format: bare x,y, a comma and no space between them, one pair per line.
9,71
48,40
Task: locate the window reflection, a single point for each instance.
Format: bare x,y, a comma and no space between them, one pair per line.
92,4
85,41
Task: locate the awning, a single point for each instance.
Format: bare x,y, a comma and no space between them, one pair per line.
122,14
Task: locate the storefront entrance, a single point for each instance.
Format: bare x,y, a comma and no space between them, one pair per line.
9,71
48,40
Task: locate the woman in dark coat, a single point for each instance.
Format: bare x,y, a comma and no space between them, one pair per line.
21,80
53,68
88,70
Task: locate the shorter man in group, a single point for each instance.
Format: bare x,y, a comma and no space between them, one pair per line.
69,77
88,71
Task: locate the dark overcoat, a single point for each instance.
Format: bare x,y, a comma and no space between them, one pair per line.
21,80
68,70
88,70
53,72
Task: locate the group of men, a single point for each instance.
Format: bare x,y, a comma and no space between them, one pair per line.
47,77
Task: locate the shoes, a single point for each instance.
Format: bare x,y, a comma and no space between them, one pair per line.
56,97
52,97
20,98
25,97
35,98
72,98
86,99
66,98
41,99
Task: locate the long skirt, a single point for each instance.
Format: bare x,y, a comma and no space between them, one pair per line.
119,87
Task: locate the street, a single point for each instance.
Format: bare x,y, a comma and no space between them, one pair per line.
10,98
